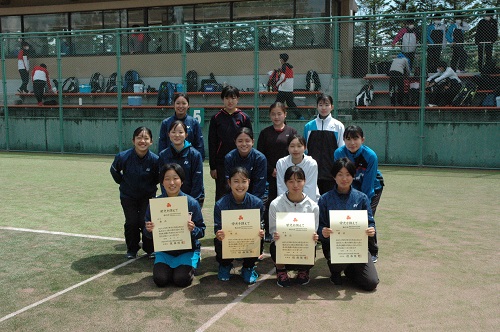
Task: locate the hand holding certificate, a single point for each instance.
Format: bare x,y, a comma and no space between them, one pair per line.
241,229
348,240
172,226
296,244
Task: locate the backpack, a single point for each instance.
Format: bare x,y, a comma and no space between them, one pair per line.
131,77
192,81
491,98
365,95
96,83
466,94
312,81
166,93
112,86
274,77
70,85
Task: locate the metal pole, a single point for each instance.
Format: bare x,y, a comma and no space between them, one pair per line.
184,60
4,88
119,89
59,80
335,66
256,78
423,70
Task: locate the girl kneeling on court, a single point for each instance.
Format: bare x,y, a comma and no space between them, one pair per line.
237,199
177,266
294,200
344,197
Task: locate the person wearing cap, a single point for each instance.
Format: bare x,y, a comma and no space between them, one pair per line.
455,36
409,36
486,35
435,42
285,83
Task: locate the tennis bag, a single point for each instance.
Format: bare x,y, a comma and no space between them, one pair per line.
70,85
96,83
365,95
466,94
166,93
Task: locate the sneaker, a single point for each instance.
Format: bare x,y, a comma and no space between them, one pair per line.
302,277
249,275
131,255
374,258
152,255
20,91
283,280
336,279
224,272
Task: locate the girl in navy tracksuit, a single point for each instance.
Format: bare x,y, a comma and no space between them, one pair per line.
136,171
368,178
177,266
254,161
344,197
223,128
183,153
194,133
237,199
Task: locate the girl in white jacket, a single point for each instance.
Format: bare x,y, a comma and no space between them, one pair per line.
296,157
294,200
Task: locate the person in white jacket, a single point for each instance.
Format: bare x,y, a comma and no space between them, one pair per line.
443,85
294,200
296,157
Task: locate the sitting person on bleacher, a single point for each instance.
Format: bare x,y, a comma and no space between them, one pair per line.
443,85
400,68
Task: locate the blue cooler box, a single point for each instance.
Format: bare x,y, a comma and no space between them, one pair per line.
85,88
134,100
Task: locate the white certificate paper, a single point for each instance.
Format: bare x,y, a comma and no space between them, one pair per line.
348,242
296,244
241,233
170,216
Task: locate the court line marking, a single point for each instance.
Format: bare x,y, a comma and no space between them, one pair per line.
62,233
202,328
237,300
53,296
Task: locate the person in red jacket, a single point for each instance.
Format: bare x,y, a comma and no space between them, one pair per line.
40,77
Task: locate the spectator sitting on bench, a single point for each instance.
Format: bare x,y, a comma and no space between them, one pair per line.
443,85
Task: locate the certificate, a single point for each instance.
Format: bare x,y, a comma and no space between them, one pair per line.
296,244
348,242
170,216
241,233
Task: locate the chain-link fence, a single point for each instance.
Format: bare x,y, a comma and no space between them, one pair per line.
108,82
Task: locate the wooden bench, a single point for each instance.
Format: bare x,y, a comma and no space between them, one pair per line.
429,108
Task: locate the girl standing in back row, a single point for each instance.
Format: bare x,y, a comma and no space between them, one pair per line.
136,171
273,143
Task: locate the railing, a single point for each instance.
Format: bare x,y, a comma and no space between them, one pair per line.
238,53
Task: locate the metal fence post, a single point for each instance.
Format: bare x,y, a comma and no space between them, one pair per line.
4,88
60,99
119,89
256,79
